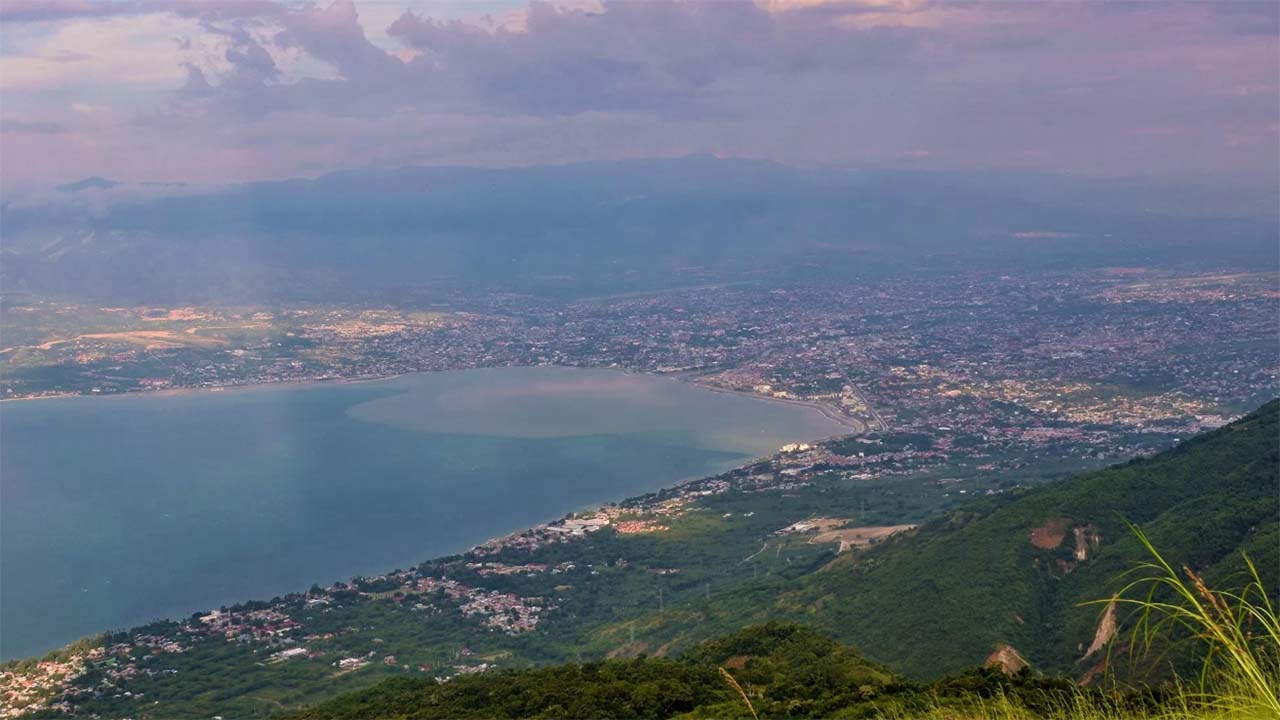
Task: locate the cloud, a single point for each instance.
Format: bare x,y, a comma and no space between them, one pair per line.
248,89
26,11
46,10
668,58
36,127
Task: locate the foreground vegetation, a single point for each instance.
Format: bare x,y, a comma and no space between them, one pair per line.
780,670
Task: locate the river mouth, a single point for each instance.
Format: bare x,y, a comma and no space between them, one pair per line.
119,511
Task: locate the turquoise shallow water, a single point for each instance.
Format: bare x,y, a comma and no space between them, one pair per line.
117,511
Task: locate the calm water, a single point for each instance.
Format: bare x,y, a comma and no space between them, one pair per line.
117,511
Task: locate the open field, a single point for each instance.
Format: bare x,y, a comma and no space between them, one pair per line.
857,537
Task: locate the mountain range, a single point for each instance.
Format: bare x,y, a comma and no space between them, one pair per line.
593,228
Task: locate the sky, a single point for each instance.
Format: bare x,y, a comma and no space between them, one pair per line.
223,91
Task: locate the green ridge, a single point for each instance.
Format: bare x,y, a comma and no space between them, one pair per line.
970,581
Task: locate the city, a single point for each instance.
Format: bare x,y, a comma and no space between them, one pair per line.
1144,349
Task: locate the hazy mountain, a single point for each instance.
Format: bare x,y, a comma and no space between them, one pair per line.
587,228
89,183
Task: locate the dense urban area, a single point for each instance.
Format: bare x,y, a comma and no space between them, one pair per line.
953,388
1122,345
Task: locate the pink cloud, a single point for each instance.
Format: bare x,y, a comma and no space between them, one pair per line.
262,89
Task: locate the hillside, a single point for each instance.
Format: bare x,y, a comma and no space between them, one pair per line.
1016,571
1006,576
786,670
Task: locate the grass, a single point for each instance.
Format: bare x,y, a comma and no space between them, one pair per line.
1239,633
728,678
1240,675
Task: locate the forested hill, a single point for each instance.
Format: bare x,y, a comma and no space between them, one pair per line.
787,671
1015,572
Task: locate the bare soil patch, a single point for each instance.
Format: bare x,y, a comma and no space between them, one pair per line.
858,537
1051,534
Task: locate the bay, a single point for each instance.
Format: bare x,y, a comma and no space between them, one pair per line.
121,510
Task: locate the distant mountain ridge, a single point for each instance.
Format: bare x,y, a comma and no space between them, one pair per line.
583,229
90,183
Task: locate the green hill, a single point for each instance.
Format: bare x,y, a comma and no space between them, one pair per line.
1006,576
786,670
1014,571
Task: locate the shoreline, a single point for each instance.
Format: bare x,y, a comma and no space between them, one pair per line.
827,410
181,391
852,425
